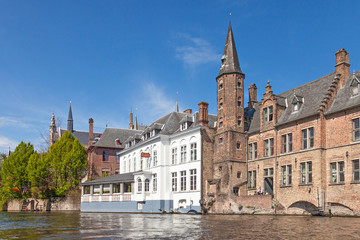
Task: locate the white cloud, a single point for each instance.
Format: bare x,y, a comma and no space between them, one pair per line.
8,121
5,143
153,103
194,51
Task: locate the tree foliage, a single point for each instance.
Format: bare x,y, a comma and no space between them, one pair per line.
46,174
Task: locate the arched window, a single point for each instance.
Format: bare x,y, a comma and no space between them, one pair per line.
239,102
139,182
147,185
221,103
221,84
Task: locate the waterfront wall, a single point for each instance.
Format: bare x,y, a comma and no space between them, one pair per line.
70,203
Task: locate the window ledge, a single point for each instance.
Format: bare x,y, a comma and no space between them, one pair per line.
336,184
355,182
305,184
252,188
285,186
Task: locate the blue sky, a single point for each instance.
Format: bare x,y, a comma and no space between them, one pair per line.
105,56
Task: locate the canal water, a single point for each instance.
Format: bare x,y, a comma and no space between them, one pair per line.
76,225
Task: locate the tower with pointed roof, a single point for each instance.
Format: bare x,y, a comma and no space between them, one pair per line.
70,124
52,130
230,153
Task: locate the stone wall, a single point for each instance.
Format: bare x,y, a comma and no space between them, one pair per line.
70,203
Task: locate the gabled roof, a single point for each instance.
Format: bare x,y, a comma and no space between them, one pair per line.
229,60
310,95
344,99
117,178
82,136
111,134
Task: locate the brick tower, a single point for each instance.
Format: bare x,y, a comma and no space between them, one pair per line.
230,142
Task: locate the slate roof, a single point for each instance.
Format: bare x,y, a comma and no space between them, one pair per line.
229,60
116,178
171,123
310,95
83,137
111,134
344,100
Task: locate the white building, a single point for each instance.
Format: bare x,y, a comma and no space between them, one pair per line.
160,170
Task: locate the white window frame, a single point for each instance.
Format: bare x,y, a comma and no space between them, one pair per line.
182,153
174,186
183,181
174,155
307,141
193,179
193,151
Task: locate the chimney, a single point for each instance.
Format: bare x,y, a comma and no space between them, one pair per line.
252,95
91,131
203,113
188,111
342,66
131,126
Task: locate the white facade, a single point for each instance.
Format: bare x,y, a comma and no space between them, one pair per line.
171,173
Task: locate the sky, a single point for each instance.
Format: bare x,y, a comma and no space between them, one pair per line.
106,56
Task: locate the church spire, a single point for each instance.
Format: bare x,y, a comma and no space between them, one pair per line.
136,124
229,60
70,126
177,104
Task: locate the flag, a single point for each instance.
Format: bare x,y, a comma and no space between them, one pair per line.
25,190
16,189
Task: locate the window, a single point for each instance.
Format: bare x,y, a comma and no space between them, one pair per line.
286,141
117,158
354,87
174,181
239,121
139,182
306,173
117,171
96,189
116,188
238,175
220,124
154,176
183,126
124,166
308,138
238,145
193,179
269,147
129,164
221,105
239,103
193,154
268,114
155,158
141,164
147,185
105,172
286,175
252,179
337,172
105,188
183,181
252,151
86,190
183,154
239,84
220,140
134,163
105,156
127,187
173,155
221,84
356,129
356,176
268,172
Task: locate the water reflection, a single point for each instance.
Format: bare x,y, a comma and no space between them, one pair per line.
75,225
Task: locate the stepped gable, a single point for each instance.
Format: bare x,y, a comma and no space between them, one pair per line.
344,100
312,95
110,135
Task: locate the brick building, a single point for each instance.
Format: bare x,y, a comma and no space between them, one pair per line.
301,147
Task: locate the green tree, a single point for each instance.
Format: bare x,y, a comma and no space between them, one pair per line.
40,176
13,172
68,161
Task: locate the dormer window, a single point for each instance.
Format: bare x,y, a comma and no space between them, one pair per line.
183,126
296,102
268,114
223,60
354,86
117,142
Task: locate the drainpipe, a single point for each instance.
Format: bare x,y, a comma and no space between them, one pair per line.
275,171
247,160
